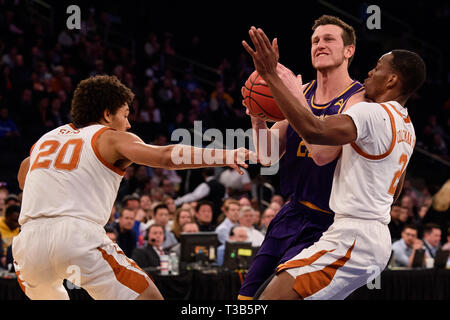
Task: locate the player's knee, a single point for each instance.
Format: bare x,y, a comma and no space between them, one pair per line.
151,293
280,288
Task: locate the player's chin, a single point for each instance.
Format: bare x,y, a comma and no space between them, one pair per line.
324,64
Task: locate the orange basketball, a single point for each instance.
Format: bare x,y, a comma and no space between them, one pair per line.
259,100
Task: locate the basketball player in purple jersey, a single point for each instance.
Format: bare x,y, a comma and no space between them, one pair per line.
306,171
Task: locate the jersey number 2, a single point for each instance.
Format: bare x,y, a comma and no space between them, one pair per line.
403,161
50,147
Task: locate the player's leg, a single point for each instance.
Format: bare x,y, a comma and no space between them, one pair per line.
334,266
151,293
35,274
282,231
107,274
280,288
262,267
47,291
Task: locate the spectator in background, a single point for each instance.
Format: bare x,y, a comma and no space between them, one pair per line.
113,216
170,203
431,239
3,194
9,226
446,245
124,227
246,218
275,206
182,216
157,195
439,212
168,187
221,106
152,46
267,216
438,145
211,190
8,127
236,234
204,216
188,227
161,217
399,216
408,202
140,227
245,202
12,199
145,203
231,210
111,233
55,114
405,247
256,218
131,201
236,184
148,257
278,199
20,74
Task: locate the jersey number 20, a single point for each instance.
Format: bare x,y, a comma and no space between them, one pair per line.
61,162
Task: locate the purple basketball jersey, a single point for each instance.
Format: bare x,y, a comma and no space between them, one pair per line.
300,178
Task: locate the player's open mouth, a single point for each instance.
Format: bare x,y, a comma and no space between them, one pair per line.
321,54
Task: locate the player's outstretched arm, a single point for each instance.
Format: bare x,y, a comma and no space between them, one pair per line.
127,147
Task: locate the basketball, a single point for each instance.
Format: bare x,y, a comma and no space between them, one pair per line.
259,100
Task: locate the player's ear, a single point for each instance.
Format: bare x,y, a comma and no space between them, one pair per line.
349,51
392,81
107,115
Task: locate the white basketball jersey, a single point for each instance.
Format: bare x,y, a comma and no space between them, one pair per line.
369,169
68,177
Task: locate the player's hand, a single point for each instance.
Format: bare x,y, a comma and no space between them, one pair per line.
239,156
266,56
292,82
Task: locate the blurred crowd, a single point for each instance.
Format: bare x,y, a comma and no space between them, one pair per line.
39,71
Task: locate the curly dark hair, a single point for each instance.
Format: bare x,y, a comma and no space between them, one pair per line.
96,94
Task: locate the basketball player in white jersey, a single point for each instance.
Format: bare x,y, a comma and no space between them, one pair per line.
378,140
70,182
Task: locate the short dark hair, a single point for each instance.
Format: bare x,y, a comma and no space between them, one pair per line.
12,209
397,203
110,229
202,203
159,206
410,68
96,94
157,225
348,34
429,227
409,226
129,197
125,208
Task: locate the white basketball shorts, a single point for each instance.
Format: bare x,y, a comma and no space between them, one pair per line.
351,252
49,250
